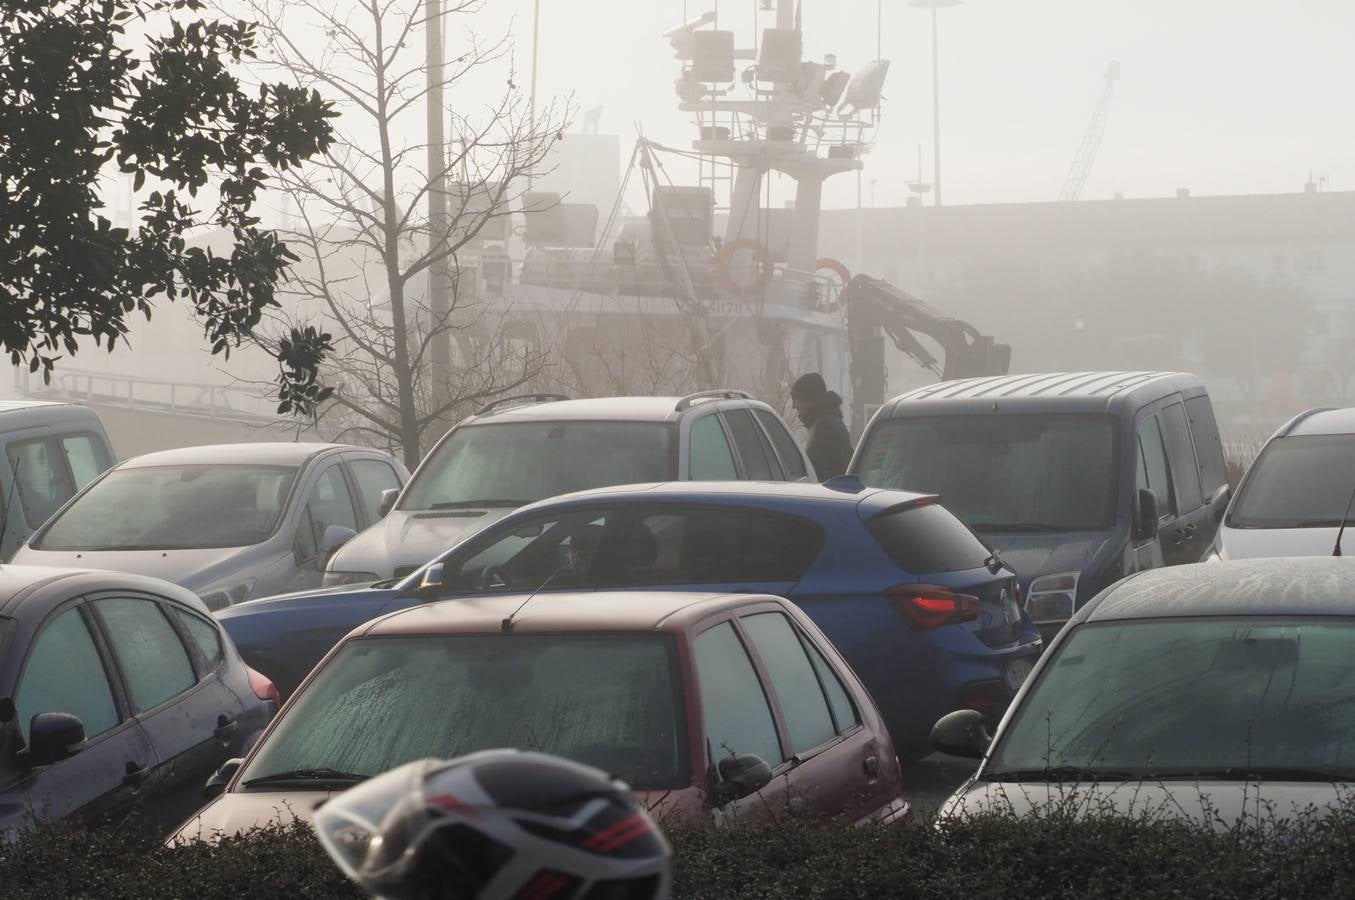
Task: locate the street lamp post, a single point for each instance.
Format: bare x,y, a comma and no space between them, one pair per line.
935,5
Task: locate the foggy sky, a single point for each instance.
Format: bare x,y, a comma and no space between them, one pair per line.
1220,96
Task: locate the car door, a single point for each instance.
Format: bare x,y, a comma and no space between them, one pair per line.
190,720
372,477
793,462
711,548
68,670
839,767
1154,473
1189,536
328,502
758,458
736,718
709,456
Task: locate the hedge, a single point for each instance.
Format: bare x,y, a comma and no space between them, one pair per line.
1049,857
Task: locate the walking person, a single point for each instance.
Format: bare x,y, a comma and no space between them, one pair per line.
828,445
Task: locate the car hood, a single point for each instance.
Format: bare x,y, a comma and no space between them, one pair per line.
1033,555
410,538
1253,543
298,600
1221,804
192,569
236,812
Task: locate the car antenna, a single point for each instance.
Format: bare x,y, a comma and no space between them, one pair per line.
507,623
1345,517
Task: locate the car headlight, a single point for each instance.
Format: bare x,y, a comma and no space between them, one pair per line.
1052,598
339,579
224,597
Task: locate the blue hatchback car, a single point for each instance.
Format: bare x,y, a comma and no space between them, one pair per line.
928,616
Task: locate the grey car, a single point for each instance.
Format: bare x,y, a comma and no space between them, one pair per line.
523,449
229,522
1189,692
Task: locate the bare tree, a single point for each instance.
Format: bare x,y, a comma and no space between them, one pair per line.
390,223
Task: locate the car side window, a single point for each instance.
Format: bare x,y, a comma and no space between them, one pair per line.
83,457
845,714
759,460
804,705
374,477
555,550
737,716
711,458
1185,470
792,463
65,674
1154,456
150,655
711,545
42,479
329,504
1208,445
204,635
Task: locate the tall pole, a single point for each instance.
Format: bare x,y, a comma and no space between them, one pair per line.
536,21
439,286
936,109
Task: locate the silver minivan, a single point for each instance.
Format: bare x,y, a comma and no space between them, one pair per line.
229,522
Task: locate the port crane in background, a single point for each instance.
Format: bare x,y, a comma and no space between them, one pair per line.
1091,139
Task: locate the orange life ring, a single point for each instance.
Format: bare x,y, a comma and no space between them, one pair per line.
833,265
727,250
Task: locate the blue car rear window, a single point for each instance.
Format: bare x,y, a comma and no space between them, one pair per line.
923,539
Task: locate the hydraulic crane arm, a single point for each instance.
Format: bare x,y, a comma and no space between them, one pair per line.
876,309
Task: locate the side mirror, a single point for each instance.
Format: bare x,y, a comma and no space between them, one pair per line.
962,733
335,537
388,498
741,775
53,737
1145,515
216,785
1218,503
432,578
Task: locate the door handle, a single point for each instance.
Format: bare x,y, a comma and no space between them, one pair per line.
135,775
871,766
225,728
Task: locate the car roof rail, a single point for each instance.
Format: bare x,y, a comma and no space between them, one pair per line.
521,400
691,400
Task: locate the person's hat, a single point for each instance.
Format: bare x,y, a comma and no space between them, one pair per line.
810,385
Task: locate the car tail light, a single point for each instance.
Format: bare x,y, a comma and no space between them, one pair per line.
263,686
927,606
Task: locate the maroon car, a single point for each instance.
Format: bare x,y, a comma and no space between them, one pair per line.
706,704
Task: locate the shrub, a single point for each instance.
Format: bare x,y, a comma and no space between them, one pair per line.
1050,856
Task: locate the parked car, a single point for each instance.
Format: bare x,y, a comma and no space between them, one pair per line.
523,449
1292,498
1077,479
1182,690
117,693
702,702
917,604
228,522
51,450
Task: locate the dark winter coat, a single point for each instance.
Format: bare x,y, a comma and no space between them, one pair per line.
828,445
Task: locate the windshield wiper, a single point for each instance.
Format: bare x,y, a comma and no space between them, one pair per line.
320,776
1017,526
471,504
1254,773
1060,774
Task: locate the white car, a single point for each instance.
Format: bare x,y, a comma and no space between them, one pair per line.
1294,495
523,449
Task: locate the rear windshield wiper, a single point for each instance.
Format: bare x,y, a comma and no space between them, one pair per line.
1060,774
471,504
1255,773
320,776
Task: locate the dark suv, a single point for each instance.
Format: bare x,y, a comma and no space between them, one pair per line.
1078,479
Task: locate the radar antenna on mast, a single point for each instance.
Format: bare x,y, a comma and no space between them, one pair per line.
1091,139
